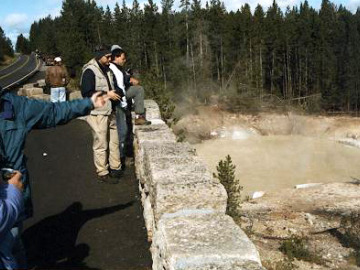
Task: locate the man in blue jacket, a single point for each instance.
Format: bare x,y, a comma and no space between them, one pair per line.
18,116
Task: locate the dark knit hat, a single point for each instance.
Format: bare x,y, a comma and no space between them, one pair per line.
102,50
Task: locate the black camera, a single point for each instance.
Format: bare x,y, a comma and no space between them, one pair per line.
7,173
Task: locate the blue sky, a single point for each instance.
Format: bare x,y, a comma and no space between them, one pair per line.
16,16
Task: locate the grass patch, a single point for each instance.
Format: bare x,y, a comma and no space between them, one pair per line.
7,61
297,247
285,264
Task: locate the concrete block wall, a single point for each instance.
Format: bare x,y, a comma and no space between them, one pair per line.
184,205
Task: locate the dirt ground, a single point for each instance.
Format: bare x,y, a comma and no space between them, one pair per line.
323,219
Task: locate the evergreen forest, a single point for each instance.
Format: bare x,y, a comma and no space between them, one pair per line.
5,46
200,50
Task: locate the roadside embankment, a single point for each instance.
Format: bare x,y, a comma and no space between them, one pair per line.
184,206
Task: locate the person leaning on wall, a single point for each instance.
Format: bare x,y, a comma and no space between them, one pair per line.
131,85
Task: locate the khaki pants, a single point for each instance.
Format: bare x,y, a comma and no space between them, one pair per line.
105,143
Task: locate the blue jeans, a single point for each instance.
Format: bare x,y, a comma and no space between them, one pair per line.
122,129
58,94
12,251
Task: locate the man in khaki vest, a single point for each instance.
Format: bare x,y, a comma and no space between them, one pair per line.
96,76
57,78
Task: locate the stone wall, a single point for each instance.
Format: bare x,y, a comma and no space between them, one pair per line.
184,205
36,91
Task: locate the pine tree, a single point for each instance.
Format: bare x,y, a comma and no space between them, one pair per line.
22,45
136,48
258,44
326,55
5,46
75,37
274,41
226,175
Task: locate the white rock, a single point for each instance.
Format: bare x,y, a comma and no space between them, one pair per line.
308,185
258,194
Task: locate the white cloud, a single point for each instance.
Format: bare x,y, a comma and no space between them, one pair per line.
55,12
283,4
15,20
353,5
110,3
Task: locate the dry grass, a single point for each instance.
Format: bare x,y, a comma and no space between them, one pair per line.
7,61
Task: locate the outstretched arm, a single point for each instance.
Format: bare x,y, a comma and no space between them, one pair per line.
42,114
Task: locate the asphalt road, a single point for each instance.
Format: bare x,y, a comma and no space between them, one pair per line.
79,223
24,65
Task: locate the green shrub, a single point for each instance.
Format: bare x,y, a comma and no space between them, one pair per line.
285,264
296,247
226,175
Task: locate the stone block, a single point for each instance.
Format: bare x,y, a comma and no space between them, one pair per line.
176,170
32,91
166,149
41,97
20,92
152,109
160,149
175,197
154,133
75,95
27,86
202,241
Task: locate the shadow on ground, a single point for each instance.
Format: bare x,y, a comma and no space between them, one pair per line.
51,243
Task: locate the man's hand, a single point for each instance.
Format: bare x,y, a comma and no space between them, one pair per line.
134,81
98,100
16,180
112,95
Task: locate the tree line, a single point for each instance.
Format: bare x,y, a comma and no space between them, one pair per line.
5,46
300,55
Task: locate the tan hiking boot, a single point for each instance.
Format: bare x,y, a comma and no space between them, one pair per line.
141,120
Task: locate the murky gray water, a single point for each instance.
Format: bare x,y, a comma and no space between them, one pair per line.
272,162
